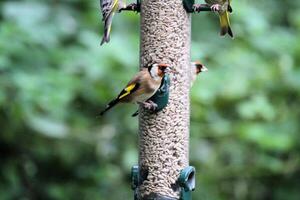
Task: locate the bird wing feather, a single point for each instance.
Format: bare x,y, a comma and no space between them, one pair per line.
138,86
129,89
107,7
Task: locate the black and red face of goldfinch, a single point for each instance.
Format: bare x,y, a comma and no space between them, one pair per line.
196,68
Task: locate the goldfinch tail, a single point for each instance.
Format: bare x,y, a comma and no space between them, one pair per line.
105,38
225,24
109,106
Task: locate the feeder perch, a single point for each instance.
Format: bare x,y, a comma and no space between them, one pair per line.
186,181
161,97
132,7
134,177
135,180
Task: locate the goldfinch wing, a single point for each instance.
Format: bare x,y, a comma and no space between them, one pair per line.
129,89
107,7
134,84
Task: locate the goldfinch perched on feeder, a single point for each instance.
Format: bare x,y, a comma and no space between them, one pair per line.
109,8
141,87
222,7
197,68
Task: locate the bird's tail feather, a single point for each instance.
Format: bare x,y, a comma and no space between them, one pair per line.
230,31
109,106
225,24
106,36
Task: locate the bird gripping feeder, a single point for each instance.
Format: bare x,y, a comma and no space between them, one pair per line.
161,97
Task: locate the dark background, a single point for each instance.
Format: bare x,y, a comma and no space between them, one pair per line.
55,78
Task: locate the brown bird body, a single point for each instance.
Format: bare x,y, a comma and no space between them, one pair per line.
141,87
147,87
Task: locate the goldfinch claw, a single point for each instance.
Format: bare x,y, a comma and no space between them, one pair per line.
215,7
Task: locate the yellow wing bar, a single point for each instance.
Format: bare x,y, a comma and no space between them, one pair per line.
127,91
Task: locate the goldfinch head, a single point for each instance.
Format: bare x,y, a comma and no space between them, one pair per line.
199,67
159,70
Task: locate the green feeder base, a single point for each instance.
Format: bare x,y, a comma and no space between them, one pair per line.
187,181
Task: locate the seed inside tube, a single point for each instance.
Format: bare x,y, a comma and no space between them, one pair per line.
165,36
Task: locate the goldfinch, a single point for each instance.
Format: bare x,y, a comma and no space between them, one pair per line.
197,67
141,87
222,7
109,8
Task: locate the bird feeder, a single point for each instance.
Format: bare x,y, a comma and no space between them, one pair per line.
164,136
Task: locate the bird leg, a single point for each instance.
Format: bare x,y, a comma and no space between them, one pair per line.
149,105
215,7
153,105
131,7
145,104
201,7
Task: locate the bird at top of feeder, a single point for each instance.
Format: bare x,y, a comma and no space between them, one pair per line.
109,8
142,86
222,7
197,68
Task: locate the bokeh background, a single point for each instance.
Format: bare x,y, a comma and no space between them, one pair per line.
55,78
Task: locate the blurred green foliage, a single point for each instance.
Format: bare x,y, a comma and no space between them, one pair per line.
55,78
